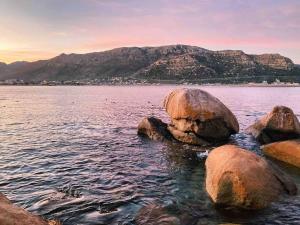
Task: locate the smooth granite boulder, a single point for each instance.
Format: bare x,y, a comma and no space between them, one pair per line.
280,124
198,112
239,178
286,151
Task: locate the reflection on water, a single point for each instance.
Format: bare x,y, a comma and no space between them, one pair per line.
72,153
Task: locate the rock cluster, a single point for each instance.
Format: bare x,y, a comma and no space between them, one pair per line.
234,177
197,118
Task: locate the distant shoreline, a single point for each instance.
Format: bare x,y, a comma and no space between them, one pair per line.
160,84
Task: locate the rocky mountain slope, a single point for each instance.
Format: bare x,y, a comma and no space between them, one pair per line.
166,63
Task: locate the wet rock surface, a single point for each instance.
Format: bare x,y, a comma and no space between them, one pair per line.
14,215
280,124
286,151
240,178
199,114
155,129
187,137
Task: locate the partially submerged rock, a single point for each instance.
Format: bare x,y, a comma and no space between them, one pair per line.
187,137
286,151
155,215
154,128
14,215
280,124
240,178
196,111
54,222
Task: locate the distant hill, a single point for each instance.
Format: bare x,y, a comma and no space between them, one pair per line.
165,63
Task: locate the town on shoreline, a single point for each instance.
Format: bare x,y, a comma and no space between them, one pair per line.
120,81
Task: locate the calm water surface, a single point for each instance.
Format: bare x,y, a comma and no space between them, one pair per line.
72,153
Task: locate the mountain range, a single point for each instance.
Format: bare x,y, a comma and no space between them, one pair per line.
165,63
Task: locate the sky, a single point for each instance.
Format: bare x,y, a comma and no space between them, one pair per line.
39,29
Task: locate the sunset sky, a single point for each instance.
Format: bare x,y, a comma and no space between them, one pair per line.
40,29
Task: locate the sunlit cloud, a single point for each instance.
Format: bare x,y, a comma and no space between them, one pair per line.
10,56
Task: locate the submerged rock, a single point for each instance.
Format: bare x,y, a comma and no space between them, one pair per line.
240,178
155,129
155,215
286,151
14,215
198,112
280,124
54,222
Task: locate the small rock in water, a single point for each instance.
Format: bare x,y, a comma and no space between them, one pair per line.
70,191
54,222
280,124
202,155
154,128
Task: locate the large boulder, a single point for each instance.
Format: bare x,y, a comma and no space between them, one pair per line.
240,178
280,124
155,129
198,112
286,151
14,215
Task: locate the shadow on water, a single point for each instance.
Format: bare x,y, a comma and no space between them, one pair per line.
291,170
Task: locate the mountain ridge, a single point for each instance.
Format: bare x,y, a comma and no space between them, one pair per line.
170,62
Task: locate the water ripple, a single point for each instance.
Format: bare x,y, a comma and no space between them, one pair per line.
72,153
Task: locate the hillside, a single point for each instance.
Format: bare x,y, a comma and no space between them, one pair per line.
166,63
